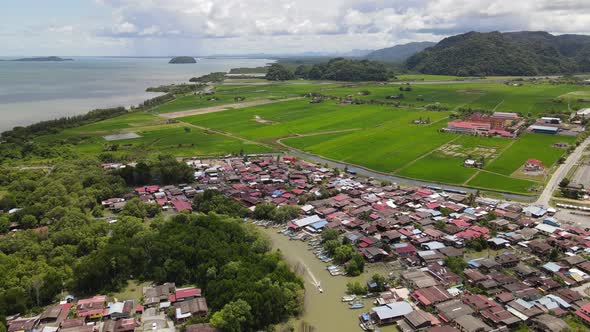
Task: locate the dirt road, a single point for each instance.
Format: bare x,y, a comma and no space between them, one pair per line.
220,108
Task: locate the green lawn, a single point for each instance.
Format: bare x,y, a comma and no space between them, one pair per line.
439,168
536,146
498,182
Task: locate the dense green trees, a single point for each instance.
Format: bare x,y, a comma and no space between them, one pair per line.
165,170
495,53
341,69
278,72
214,77
51,126
281,214
456,264
78,253
214,201
233,317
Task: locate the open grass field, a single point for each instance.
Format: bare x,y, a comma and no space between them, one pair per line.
382,138
529,98
225,94
157,135
492,181
536,146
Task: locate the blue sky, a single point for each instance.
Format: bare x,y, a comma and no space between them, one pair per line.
202,27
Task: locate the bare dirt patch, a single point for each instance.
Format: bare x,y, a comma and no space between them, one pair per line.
457,150
118,137
261,120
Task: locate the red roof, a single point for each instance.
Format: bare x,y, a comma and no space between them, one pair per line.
182,293
91,312
535,162
432,205
469,125
460,223
180,205
340,197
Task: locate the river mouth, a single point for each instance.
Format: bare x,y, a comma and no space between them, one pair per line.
325,311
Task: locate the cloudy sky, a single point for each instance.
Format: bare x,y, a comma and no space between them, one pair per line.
203,27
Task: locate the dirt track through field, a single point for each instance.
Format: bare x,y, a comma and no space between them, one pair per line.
220,108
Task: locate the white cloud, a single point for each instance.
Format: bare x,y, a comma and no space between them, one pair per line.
279,26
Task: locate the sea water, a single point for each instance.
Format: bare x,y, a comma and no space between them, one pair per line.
36,91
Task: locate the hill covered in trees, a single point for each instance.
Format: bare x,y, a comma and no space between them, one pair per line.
337,69
398,53
495,53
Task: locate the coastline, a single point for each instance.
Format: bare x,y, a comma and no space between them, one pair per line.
41,91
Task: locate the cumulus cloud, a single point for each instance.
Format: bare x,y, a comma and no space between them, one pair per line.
283,26
364,23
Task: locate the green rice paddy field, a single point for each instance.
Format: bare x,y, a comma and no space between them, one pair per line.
382,138
157,136
224,94
529,98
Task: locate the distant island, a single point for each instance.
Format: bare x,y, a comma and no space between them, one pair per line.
47,58
183,59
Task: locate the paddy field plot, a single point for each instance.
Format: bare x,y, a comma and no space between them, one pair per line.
225,94
152,135
383,138
529,98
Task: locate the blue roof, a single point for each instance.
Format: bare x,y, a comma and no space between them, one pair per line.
319,224
470,211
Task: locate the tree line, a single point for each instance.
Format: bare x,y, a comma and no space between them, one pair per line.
338,69
65,245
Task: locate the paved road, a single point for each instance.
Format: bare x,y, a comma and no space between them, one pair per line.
560,173
392,178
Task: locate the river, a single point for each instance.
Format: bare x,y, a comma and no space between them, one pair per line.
324,311
396,179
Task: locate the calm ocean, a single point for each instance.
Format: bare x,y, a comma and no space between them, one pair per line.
36,91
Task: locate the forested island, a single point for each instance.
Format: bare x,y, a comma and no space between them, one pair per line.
182,60
43,59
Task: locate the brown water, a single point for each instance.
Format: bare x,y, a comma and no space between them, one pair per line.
324,311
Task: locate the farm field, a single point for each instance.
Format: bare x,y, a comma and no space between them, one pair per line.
156,136
383,138
485,180
225,93
379,137
535,146
529,98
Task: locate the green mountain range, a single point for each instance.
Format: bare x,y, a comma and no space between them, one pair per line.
514,53
398,53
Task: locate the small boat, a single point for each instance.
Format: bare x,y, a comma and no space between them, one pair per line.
320,288
357,305
348,298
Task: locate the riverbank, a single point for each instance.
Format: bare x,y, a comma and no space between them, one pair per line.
324,311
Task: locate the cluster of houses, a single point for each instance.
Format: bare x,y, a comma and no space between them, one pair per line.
502,124
532,272
162,307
